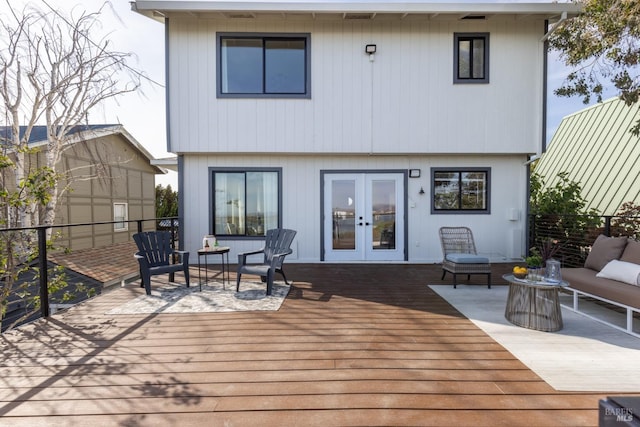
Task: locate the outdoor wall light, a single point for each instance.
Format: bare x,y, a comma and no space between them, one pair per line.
370,49
421,192
414,173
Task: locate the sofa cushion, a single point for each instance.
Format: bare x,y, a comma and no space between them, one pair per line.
605,249
626,272
460,258
585,280
631,252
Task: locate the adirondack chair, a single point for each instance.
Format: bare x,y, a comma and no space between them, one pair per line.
155,256
276,247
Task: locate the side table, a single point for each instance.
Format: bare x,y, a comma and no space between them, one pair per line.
533,305
217,250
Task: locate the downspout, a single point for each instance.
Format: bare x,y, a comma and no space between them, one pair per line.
545,99
181,217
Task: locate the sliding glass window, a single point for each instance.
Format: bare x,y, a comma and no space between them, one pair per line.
245,203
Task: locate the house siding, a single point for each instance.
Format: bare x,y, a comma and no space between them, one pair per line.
403,102
497,235
129,179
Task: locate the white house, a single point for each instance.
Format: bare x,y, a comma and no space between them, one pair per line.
363,125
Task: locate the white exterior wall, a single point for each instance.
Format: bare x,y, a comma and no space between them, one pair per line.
496,235
401,111
403,102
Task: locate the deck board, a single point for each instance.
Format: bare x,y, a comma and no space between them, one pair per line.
351,345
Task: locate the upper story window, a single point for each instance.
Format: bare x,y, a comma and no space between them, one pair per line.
471,58
460,190
246,202
270,66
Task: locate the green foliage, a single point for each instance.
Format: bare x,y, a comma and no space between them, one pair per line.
627,221
166,202
563,198
560,220
603,42
533,260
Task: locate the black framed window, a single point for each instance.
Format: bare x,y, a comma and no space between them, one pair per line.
471,58
246,202
460,190
251,65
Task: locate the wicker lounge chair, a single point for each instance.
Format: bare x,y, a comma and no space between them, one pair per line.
460,256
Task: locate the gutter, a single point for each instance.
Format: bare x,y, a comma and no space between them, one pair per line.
563,17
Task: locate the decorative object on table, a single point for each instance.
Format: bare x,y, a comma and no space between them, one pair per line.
534,264
520,272
534,260
209,241
552,271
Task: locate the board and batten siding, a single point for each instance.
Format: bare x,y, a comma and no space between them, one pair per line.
498,235
402,102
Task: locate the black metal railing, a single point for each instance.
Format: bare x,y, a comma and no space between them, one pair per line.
42,233
569,238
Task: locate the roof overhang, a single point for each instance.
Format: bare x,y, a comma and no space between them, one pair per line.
366,9
170,163
103,131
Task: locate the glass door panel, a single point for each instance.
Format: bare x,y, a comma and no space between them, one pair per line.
343,199
383,198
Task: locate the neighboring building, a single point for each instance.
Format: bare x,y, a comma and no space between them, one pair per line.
596,149
110,178
363,125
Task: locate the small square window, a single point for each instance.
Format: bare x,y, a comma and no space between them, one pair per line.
460,190
471,58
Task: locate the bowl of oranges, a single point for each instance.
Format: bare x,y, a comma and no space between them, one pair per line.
519,272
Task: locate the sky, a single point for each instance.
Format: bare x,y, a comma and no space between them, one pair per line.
143,113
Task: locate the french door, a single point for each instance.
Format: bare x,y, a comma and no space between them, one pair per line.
364,217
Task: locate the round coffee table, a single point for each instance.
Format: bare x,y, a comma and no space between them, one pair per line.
533,305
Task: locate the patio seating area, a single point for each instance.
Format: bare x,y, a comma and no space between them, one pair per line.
351,345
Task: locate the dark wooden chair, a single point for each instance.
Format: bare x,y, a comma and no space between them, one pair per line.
460,255
277,246
155,256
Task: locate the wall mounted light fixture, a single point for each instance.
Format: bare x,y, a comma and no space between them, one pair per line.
414,173
371,50
421,192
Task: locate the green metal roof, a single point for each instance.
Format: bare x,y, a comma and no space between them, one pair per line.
596,149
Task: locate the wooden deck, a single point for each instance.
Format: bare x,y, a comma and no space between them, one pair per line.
352,345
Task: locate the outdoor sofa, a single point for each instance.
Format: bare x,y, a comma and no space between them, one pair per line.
611,273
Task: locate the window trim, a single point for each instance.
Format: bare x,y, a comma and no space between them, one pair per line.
456,51
223,35
460,211
125,223
212,211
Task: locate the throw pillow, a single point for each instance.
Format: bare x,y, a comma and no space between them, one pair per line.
604,249
631,252
621,271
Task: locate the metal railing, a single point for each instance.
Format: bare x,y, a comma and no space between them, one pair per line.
169,223
568,238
